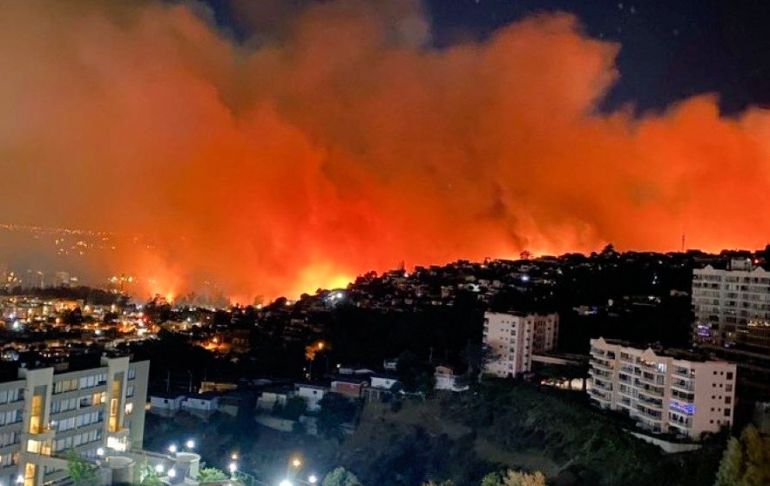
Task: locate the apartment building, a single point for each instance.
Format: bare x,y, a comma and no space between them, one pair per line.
732,319
672,392
512,338
45,413
732,306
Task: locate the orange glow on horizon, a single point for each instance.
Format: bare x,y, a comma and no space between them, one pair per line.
256,170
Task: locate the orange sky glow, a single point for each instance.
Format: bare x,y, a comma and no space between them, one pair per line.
345,145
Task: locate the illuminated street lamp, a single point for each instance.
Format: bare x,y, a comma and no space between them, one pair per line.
159,468
232,467
190,444
296,462
312,479
172,448
100,451
172,473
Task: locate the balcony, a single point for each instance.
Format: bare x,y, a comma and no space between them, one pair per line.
655,381
647,413
602,365
601,374
652,403
602,385
600,395
653,391
683,385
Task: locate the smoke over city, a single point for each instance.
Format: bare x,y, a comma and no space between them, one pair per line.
338,141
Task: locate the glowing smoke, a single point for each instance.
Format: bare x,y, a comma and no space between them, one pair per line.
340,143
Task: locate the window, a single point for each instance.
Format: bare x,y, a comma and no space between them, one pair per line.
63,386
729,375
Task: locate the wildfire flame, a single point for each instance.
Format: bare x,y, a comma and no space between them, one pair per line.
340,142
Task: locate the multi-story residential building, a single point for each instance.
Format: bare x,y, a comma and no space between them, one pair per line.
512,339
46,413
732,306
732,319
665,392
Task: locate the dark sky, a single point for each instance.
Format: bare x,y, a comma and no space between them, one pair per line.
671,49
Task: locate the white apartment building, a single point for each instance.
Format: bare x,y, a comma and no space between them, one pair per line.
732,306
45,413
512,339
663,393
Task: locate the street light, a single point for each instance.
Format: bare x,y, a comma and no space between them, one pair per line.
100,451
159,468
172,473
312,479
172,448
296,462
190,444
232,467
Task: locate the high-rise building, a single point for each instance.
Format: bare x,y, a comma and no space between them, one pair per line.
732,319
46,413
672,392
512,339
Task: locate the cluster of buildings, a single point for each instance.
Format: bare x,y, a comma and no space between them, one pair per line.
50,406
674,392
63,327
272,395
513,339
695,392
96,411
731,306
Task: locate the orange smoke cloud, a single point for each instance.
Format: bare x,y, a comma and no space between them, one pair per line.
346,144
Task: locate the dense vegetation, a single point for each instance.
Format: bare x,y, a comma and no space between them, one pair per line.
518,426
458,437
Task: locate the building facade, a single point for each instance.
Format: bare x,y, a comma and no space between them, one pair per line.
732,306
44,414
512,339
732,319
663,393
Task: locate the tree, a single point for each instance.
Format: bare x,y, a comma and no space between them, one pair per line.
336,411
513,478
293,408
148,476
731,467
341,477
210,474
82,472
414,374
746,461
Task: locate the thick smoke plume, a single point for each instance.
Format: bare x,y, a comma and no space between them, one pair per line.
339,141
